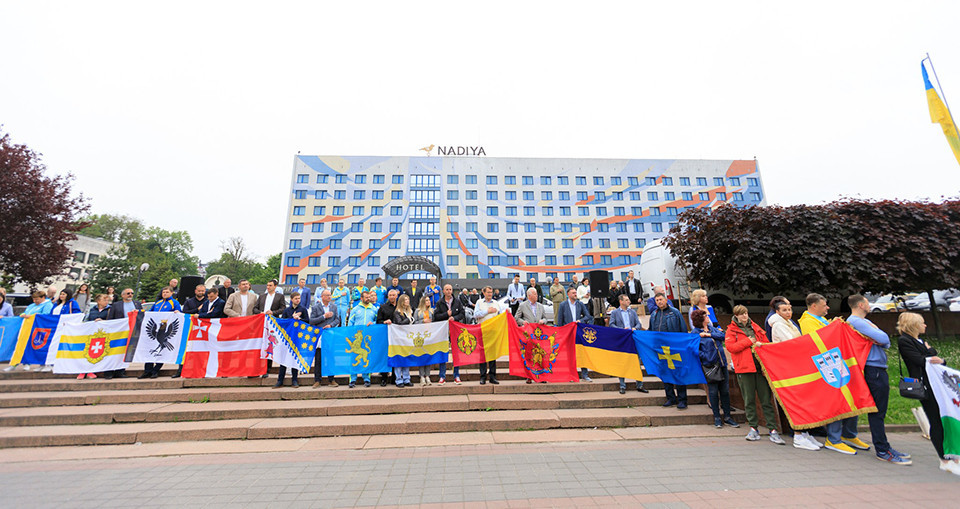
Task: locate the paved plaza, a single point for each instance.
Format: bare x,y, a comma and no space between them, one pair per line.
720,471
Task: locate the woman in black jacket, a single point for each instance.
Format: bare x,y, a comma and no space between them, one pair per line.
915,352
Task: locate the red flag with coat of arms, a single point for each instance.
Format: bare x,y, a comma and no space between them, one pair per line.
543,353
818,378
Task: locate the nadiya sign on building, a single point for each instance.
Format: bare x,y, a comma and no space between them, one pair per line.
451,150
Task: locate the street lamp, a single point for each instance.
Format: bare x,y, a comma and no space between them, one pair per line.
143,267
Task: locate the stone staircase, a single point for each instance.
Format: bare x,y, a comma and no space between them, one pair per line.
43,409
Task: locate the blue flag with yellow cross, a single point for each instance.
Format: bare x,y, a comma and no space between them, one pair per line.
674,357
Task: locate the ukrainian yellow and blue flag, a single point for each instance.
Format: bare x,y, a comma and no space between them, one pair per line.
939,114
608,350
9,332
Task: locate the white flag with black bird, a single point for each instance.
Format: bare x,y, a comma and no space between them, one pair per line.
162,337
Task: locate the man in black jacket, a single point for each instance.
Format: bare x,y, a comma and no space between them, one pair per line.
385,315
192,305
213,306
226,290
120,309
448,308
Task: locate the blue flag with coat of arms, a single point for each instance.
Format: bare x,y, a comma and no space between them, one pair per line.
290,343
9,332
673,357
354,350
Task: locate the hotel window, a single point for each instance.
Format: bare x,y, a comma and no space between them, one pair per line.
701,181
619,211
639,243
528,180
657,227
511,211
453,210
529,227
340,195
601,211
320,195
299,211
453,179
604,243
654,211
549,243
356,227
491,180
293,261
315,244
376,227
546,195
374,243
668,181
755,196
545,181
527,195
355,243
737,196
396,195
296,227
734,181
377,195
753,182
303,178
584,227
394,244
687,195
606,260
378,179
471,227
615,181
471,210
633,181
586,243
471,195
397,179
510,181
548,227
300,194
652,196
396,227
581,196
621,227
564,195
671,211
321,179
587,259
581,181
566,227
603,227
512,244
623,243
491,195
340,179
530,243
718,181
493,227
563,181
471,179
722,196
704,196
338,210
668,195
373,261
547,211
598,181
549,260
638,227
453,195
317,228
651,181
568,260
295,243
511,227
529,211
376,211
451,243
493,244
637,211
358,211
617,196
493,260
493,211
600,196
567,243
510,195
360,179
333,261
396,211
583,211
564,211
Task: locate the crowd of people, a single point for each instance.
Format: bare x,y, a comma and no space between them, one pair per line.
721,348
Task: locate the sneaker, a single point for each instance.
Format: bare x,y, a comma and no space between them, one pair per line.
407,384
753,435
383,382
889,457
586,378
730,422
46,369
352,385
717,422
10,368
801,442
441,382
26,367
333,383
295,384
316,385
91,375
399,386
367,384
775,438
428,381
80,376
898,453
841,447
623,390
456,380
856,443
423,381
950,466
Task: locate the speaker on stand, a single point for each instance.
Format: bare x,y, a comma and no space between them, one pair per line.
187,286
599,291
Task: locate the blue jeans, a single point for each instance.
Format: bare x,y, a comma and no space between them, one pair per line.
365,376
402,374
675,393
844,428
443,371
879,384
623,383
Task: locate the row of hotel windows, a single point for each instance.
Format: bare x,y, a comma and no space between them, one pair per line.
433,229
434,180
433,212
352,279
433,245
453,194
471,260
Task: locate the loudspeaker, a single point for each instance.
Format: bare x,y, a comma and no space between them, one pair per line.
187,286
599,284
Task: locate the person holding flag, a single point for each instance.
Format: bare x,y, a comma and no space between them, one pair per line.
626,318
166,303
782,329
324,314
741,337
842,434
916,353
711,353
364,313
356,297
666,318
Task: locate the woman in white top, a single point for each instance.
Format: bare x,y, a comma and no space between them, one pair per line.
424,314
403,316
783,329
83,297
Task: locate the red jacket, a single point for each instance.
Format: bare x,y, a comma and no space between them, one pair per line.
738,344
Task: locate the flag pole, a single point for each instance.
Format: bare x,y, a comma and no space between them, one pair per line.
942,95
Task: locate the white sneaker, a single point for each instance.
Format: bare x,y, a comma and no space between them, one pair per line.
950,466
775,437
812,440
753,435
26,367
10,368
46,369
801,442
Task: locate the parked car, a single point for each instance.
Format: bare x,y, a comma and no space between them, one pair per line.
19,301
955,304
883,303
922,301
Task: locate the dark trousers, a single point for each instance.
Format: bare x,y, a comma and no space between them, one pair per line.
152,367
879,384
283,373
676,396
932,409
514,307
492,367
719,394
316,369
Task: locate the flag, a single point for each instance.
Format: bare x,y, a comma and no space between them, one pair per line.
945,383
674,357
473,344
418,345
225,347
160,336
37,336
818,377
939,114
9,332
356,349
92,347
290,343
608,350
544,353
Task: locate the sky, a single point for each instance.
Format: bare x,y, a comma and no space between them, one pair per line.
188,115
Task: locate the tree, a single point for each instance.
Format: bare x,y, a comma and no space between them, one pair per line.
40,216
234,262
268,271
167,252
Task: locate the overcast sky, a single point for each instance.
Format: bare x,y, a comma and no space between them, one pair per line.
188,115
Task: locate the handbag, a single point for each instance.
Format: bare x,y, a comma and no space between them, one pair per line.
713,373
911,388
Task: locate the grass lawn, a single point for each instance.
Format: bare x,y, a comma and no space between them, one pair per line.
898,410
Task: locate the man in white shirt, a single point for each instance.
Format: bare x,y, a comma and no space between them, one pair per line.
241,303
583,291
626,318
514,294
485,310
271,302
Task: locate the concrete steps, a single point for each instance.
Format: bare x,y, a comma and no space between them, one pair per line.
42,409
